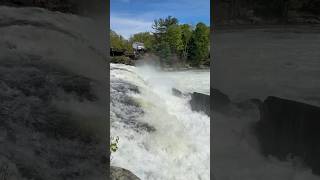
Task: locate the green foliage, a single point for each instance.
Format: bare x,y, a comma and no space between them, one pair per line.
171,41
121,60
118,42
114,144
185,37
164,52
174,38
161,25
199,45
171,38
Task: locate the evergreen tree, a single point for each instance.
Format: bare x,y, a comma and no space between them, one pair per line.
164,52
174,38
199,45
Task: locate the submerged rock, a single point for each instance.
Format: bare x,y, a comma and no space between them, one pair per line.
176,92
117,173
289,128
126,109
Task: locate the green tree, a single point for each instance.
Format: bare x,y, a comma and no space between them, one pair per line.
167,38
174,38
186,31
199,44
118,42
161,26
163,50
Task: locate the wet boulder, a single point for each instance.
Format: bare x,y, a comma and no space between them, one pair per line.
248,104
176,92
200,102
290,129
220,100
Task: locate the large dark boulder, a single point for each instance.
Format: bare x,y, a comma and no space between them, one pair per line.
219,99
200,102
289,128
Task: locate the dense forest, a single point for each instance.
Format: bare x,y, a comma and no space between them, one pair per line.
174,43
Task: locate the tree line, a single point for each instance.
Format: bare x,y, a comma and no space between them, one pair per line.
172,42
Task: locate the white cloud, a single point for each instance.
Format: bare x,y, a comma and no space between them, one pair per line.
128,26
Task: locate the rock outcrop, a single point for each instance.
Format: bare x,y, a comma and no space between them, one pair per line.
220,100
176,92
289,128
200,102
117,173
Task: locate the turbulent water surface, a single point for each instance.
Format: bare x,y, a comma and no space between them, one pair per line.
160,137
52,96
256,63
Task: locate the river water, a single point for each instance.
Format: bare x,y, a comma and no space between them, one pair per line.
160,137
282,61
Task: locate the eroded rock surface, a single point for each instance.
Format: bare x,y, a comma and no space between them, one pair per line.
121,174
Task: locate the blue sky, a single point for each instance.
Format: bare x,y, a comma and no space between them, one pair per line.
131,16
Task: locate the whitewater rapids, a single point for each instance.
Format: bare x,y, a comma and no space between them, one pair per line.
160,137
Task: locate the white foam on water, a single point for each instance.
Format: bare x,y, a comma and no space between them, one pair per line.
180,146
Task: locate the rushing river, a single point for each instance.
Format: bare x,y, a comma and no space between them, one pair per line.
255,63
160,137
